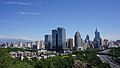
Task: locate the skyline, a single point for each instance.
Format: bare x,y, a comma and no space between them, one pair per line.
34,19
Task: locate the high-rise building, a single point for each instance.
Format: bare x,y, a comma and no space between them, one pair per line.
29,45
78,41
70,43
34,45
97,39
105,43
20,44
48,42
59,38
38,44
54,39
42,44
87,40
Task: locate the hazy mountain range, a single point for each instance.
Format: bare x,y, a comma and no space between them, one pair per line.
4,40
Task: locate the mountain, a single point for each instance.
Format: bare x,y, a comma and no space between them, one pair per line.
4,40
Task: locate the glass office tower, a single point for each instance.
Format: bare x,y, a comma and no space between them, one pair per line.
48,42
59,38
97,39
78,41
54,39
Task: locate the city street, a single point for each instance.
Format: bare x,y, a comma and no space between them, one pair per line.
107,59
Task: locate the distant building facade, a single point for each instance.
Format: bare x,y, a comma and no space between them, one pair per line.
70,43
48,42
87,40
42,44
78,41
59,39
97,39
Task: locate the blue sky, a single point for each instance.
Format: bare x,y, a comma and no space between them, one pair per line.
35,18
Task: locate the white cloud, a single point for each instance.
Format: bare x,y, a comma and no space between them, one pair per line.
1,36
28,13
16,3
13,37
25,38
112,37
7,22
10,37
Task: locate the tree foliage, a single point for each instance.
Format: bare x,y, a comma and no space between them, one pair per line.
65,61
57,62
8,62
90,56
115,52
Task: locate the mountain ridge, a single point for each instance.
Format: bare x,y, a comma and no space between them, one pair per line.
4,40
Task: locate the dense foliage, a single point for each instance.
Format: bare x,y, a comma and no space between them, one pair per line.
90,56
57,62
115,52
65,61
8,62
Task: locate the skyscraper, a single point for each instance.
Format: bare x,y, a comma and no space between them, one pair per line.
54,39
38,44
87,42
70,43
34,46
48,42
59,38
97,39
42,44
87,39
78,41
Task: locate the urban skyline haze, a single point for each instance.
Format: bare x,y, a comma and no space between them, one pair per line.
32,19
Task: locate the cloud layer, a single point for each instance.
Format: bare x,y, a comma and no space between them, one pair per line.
112,37
13,37
29,13
16,3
